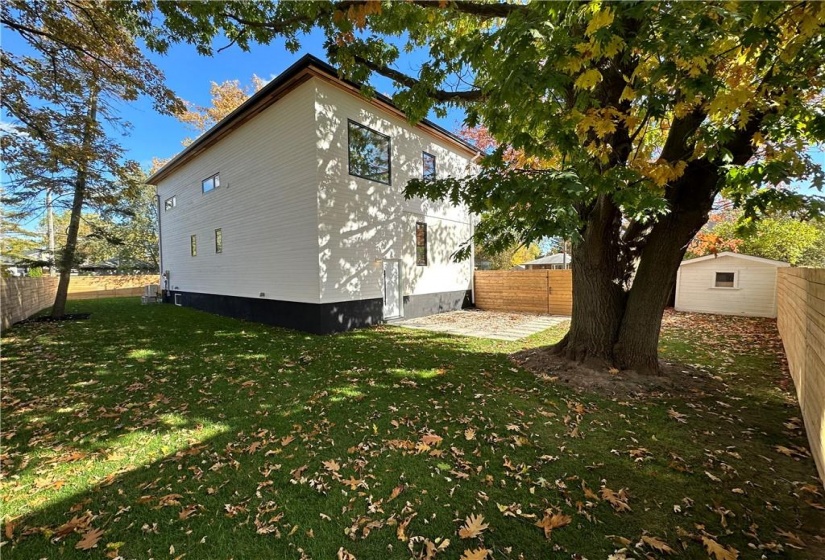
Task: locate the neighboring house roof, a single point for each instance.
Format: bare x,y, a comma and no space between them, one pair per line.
307,67
558,258
735,255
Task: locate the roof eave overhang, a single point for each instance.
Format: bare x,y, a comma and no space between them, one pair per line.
306,68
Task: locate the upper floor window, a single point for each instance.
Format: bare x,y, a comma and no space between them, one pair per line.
211,183
170,203
218,241
421,244
429,166
193,245
369,153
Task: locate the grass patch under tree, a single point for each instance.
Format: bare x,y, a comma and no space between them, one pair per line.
159,431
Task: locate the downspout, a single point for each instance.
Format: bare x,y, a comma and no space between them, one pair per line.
473,245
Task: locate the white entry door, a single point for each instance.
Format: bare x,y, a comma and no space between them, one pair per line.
392,289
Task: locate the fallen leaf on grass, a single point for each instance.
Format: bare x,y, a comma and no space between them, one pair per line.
473,526
345,555
89,540
552,521
718,551
656,544
713,477
616,499
477,554
792,539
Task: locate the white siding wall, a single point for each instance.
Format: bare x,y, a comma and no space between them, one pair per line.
266,207
362,221
755,294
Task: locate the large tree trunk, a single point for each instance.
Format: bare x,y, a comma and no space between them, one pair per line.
611,327
70,249
691,202
598,300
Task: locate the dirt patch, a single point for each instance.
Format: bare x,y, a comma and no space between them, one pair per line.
48,319
674,378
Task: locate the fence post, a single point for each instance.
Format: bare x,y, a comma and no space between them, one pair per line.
547,294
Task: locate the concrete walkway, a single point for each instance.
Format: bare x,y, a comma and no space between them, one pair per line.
485,324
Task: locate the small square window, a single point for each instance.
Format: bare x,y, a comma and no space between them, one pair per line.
725,280
193,245
369,153
170,203
211,183
429,172
420,244
218,241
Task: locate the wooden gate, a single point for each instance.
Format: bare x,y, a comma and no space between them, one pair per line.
532,291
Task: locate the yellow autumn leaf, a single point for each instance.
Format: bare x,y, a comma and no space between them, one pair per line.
588,79
600,19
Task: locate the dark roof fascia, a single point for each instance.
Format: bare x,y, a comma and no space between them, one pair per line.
273,86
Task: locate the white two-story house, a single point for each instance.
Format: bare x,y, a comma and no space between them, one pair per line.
291,211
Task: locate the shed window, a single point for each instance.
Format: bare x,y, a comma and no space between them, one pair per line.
170,203
211,183
218,241
369,153
193,245
429,166
421,244
725,280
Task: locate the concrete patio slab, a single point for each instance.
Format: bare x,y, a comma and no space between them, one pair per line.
495,325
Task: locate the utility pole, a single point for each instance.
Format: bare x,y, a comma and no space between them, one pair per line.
50,226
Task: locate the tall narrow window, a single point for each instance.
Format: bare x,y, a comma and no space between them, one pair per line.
429,166
421,244
170,203
193,245
218,241
211,183
369,153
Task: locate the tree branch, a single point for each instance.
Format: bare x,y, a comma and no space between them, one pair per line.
494,10
410,82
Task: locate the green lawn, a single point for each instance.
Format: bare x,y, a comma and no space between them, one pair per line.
159,431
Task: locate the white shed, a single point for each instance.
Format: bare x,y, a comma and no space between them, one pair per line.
728,284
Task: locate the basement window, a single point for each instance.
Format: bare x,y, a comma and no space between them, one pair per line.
369,153
725,280
420,244
211,183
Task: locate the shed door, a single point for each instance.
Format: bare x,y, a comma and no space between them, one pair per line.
392,289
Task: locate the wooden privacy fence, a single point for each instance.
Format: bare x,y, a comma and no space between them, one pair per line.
800,295
21,298
533,291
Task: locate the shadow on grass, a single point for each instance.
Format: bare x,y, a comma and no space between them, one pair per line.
183,432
